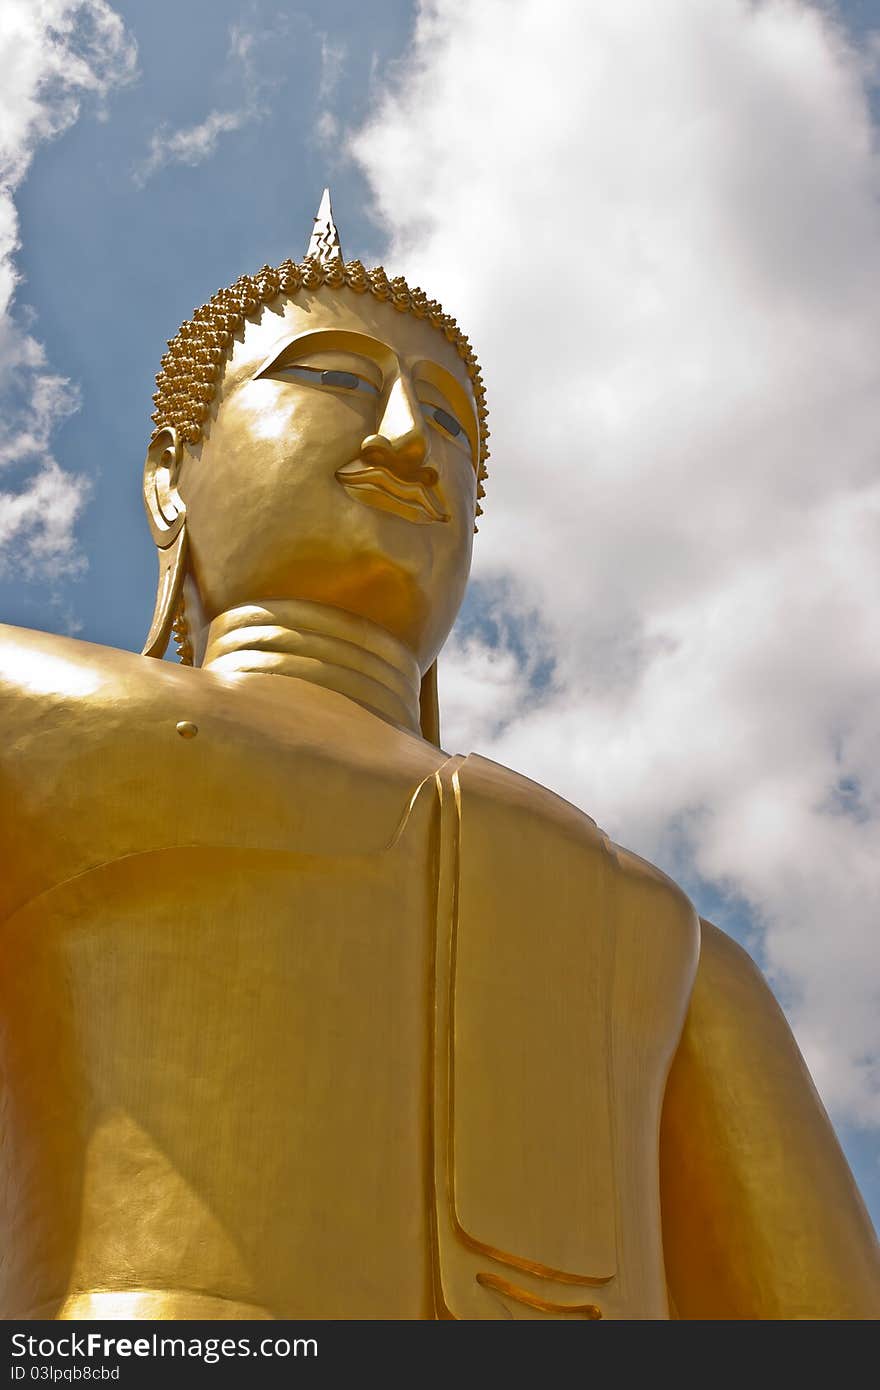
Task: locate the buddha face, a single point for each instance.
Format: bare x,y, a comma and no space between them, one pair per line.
338,465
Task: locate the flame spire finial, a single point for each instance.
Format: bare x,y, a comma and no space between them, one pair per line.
324,244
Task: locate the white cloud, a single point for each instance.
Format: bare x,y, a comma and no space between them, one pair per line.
45,512
249,45
481,688
52,54
191,144
660,224
333,55
327,126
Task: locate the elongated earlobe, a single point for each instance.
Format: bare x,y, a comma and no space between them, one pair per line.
169,591
166,515
429,706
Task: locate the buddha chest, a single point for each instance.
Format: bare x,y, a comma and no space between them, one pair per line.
216,1068
214,1008
300,1018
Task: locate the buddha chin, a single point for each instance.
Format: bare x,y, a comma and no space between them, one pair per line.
305,1017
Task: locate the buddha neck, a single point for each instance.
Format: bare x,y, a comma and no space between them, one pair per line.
321,644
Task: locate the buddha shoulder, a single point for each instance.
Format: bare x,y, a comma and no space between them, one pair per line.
104,753
53,686
544,838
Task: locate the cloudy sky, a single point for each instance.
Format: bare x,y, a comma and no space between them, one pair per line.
660,226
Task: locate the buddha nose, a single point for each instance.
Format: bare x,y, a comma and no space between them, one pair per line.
402,442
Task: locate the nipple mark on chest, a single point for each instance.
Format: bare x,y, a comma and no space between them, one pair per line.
187,729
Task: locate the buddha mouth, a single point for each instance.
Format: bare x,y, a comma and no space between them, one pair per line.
388,492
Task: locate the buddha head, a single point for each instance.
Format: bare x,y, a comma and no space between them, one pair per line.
320,435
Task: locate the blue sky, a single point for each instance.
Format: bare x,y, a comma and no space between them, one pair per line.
136,212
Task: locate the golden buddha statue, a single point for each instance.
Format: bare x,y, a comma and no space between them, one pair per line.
303,1017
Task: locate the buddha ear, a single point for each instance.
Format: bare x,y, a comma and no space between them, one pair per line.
166,512
166,515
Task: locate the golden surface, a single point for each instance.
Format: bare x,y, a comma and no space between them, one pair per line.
302,1017
762,1218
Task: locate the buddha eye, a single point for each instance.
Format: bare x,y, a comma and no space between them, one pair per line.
346,379
446,421
336,380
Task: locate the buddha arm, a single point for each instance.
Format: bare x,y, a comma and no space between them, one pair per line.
761,1216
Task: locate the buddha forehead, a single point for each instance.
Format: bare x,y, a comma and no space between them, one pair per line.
364,325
